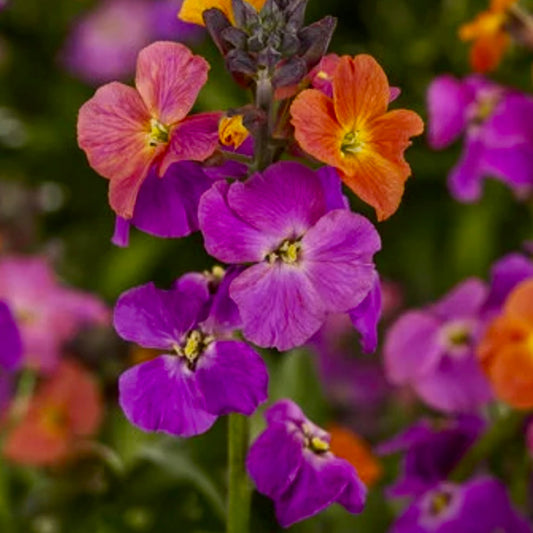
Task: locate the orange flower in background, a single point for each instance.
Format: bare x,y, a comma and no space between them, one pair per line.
66,408
192,10
489,36
506,352
356,451
354,132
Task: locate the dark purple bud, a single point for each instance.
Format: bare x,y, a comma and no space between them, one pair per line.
315,40
289,72
237,38
217,23
245,14
238,61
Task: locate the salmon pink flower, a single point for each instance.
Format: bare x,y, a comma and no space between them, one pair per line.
125,131
488,31
66,408
192,10
353,132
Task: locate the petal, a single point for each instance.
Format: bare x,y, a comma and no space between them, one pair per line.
465,179
284,201
121,235
360,90
163,395
278,304
169,78
113,129
487,52
337,257
520,302
411,347
274,459
514,166
233,378
315,127
11,346
193,139
226,236
156,318
332,185
464,301
284,411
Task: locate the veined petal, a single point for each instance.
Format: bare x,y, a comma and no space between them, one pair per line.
169,78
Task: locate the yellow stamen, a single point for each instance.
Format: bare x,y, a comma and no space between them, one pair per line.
159,133
231,131
352,143
318,445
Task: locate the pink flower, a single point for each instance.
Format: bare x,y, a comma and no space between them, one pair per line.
124,131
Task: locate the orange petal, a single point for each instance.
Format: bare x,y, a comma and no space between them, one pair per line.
360,90
487,52
356,451
192,10
519,303
501,5
316,129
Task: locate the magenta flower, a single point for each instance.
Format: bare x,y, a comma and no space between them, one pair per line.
306,261
497,123
11,345
47,313
478,506
432,350
291,463
203,375
125,131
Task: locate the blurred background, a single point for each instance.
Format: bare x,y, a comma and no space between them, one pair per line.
52,57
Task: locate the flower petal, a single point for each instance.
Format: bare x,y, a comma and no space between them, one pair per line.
464,301
163,395
11,344
465,179
169,78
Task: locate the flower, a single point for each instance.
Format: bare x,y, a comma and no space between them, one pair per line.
305,261
433,350
506,351
489,33
291,462
498,134
204,373
192,10
125,131
353,132
66,408
478,506
432,450
47,313
11,346
232,131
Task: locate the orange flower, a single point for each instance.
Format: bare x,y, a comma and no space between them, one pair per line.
490,37
506,352
192,10
64,409
356,451
354,132
232,132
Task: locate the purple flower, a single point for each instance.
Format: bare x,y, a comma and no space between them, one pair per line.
498,127
203,374
306,261
478,506
166,206
432,350
291,463
11,345
432,450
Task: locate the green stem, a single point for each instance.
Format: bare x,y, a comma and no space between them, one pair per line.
240,490
264,100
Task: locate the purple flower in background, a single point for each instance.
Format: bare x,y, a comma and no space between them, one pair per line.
306,261
498,128
291,463
432,450
203,375
11,345
478,506
104,44
166,206
47,313
432,350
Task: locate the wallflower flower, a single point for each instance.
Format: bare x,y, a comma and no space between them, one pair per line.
203,375
498,133
47,313
353,132
66,408
432,450
192,10
433,350
125,131
11,346
488,31
305,261
478,506
506,351
291,462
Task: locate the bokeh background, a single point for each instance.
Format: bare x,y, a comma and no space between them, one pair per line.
51,202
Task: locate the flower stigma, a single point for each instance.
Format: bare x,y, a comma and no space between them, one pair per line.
159,133
352,143
193,346
288,252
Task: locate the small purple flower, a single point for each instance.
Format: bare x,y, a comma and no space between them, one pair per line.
432,450
478,506
306,261
11,345
432,350
291,463
498,127
203,375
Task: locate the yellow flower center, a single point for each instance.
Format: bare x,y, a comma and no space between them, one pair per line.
318,445
352,143
439,503
159,133
288,252
192,348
